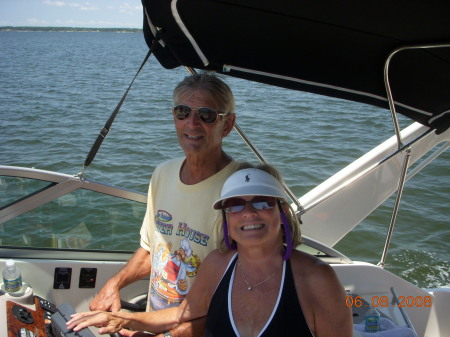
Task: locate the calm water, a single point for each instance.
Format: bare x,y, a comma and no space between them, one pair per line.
58,90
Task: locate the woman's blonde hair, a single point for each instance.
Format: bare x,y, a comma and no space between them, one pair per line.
292,218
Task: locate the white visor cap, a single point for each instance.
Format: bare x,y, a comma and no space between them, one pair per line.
250,181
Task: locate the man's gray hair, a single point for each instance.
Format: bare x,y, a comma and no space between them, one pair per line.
218,90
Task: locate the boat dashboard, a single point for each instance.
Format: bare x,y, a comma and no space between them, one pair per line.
28,320
34,316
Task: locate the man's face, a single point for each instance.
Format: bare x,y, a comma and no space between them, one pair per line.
195,136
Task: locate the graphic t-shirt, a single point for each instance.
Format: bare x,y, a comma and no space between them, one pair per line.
179,230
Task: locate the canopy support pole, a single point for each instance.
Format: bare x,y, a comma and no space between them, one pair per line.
399,142
391,99
401,185
388,86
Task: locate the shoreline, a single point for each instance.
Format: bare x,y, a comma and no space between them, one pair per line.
69,29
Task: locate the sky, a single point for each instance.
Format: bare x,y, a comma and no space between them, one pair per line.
72,13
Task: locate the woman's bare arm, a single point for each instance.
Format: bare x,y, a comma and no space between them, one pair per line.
322,297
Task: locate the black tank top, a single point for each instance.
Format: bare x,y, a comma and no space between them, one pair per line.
286,320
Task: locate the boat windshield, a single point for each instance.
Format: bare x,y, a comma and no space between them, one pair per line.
45,211
82,219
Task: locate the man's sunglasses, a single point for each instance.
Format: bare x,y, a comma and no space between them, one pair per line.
260,203
207,115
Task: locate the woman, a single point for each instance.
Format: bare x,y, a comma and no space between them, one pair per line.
259,285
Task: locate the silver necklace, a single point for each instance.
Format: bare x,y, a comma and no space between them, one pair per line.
251,286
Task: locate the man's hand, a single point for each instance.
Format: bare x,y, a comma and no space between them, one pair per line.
108,299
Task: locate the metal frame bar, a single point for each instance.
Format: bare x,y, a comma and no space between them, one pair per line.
393,111
365,172
388,86
400,188
402,311
261,158
63,184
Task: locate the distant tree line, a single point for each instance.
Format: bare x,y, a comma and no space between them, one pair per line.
70,29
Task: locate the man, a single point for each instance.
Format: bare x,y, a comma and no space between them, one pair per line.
178,229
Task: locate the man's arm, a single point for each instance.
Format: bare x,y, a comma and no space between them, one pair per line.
108,299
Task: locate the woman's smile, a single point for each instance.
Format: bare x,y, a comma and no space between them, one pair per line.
252,227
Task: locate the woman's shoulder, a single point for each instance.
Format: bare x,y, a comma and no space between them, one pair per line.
217,255
217,260
307,266
300,257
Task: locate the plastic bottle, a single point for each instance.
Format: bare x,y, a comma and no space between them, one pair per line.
372,320
12,277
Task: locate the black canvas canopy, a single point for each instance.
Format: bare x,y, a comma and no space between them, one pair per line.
334,48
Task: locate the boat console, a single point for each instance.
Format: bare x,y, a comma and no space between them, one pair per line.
33,316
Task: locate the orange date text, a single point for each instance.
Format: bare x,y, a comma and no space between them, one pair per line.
383,301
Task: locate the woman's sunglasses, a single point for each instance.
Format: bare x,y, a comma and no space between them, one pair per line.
207,115
235,205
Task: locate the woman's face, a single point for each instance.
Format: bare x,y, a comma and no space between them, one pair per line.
254,226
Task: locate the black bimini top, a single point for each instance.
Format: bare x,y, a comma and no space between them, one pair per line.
334,48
